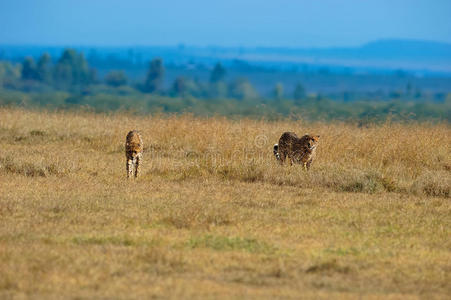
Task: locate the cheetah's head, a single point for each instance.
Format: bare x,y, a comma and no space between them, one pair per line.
313,141
132,153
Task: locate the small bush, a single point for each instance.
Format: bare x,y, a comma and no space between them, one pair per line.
37,133
197,216
437,184
327,267
103,240
361,181
9,165
155,260
250,172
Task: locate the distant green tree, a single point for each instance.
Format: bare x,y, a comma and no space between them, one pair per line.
218,73
92,76
44,68
155,76
348,95
299,92
183,86
116,78
278,91
395,94
29,69
241,89
72,69
418,93
217,90
9,72
63,74
409,89
179,86
448,100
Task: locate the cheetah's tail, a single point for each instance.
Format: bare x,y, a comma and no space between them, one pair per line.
276,151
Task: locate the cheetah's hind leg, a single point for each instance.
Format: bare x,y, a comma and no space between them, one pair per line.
138,165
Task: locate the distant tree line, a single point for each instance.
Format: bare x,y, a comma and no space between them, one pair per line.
71,71
70,82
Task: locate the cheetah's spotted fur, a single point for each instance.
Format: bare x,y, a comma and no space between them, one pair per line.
133,153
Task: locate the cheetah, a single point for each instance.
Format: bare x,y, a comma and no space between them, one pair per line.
299,150
133,152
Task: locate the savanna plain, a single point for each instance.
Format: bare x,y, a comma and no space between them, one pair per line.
213,215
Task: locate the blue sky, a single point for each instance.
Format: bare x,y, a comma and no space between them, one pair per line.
314,23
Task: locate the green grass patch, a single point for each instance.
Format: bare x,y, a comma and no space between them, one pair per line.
224,243
113,240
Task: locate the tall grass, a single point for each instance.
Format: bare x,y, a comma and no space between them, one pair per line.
393,157
215,216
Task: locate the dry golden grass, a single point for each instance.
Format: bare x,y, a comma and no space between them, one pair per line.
214,215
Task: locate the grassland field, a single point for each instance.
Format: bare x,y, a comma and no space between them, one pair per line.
213,215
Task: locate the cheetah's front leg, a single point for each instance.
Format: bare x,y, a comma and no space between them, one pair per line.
129,167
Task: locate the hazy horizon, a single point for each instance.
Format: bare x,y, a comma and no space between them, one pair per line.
293,24
175,45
